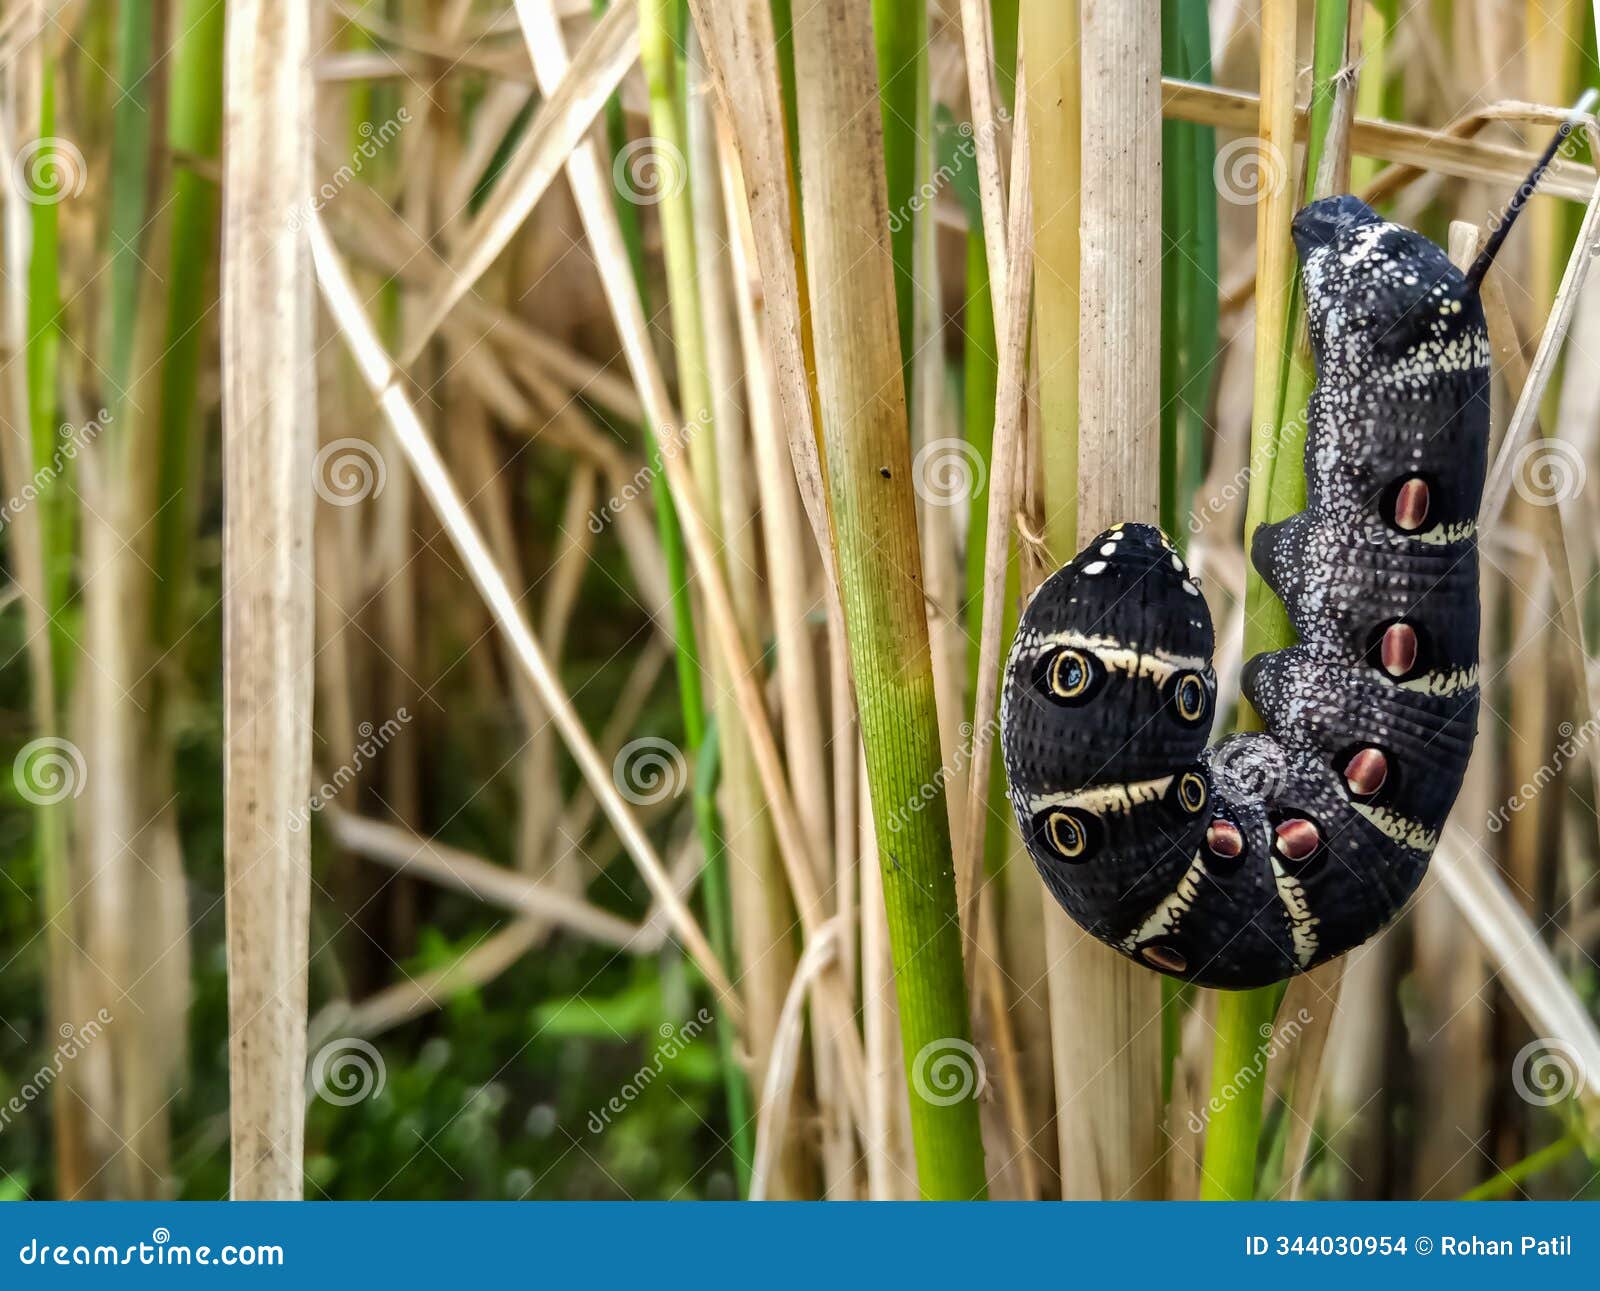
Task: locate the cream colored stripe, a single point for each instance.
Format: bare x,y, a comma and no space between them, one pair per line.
1119,658
1118,798
1407,832
1166,916
1443,683
1302,923
1442,535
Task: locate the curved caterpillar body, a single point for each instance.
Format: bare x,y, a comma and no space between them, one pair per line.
1243,864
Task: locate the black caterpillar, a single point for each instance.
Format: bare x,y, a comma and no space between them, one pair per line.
1242,865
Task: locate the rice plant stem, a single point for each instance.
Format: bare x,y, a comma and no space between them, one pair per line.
43,374
194,130
130,186
901,33
1277,490
1505,1181
861,396
660,21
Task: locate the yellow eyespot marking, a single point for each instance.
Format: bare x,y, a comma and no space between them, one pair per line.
1190,697
1066,835
1070,674
1191,791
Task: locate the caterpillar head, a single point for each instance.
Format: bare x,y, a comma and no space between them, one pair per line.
1324,222
1376,291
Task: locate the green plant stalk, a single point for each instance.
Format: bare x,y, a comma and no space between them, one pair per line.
982,380
901,32
980,387
1004,16
1276,492
194,130
900,733
660,25
1502,1182
1189,272
691,697
867,450
719,928
1267,625
51,679
130,190
658,29
1379,94
783,33
43,374
1234,1133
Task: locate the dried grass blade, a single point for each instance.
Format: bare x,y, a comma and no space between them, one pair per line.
269,419
562,122
381,377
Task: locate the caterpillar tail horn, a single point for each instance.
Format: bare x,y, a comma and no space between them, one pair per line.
1525,190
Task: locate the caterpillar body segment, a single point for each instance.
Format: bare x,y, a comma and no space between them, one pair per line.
1241,864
